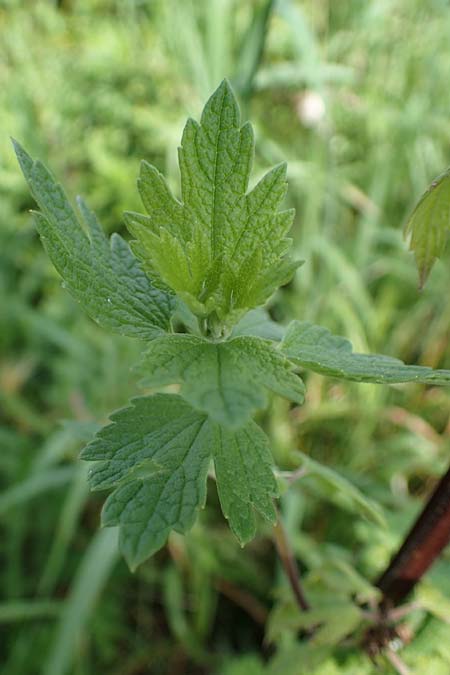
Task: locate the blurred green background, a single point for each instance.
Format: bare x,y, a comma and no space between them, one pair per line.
355,96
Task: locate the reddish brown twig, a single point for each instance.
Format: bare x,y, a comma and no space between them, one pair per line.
425,541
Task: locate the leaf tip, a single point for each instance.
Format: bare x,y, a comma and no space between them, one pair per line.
24,159
225,85
222,98
424,273
18,149
132,564
16,145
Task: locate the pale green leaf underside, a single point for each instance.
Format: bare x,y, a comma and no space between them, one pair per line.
104,277
317,349
221,248
226,379
429,225
156,454
245,481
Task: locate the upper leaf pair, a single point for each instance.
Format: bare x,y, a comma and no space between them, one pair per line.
221,249
103,276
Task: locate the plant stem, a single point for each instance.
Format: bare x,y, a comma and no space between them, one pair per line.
289,563
397,663
425,541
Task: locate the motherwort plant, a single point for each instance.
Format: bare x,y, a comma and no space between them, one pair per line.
212,257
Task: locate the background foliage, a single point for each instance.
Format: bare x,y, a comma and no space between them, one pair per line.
353,95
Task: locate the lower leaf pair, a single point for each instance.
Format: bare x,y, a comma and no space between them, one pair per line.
156,454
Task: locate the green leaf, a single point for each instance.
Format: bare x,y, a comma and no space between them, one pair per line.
429,225
299,658
332,621
433,600
104,277
156,454
83,594
252,45
338,489
247,664
39,482
29,610
222,249
226,379
245,481
316,348
258,322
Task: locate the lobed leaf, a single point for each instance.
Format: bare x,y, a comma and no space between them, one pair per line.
226,379
104,277
429,225
221,248
317,349
245,481
155,455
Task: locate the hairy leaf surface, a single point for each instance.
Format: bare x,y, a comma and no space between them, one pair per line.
156,455
429,225
226,379
221,248
316,348
245,481
104,277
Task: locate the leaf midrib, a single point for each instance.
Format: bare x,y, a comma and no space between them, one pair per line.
214,184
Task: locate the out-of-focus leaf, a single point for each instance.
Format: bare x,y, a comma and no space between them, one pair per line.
90,579
298,659
339,488
27,610
428,226
50,479
331,621
432,599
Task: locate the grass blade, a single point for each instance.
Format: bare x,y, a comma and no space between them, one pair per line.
89,581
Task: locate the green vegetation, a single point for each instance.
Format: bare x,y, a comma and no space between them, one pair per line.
115,86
